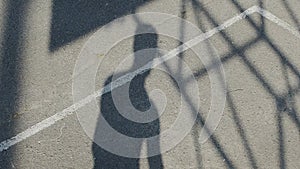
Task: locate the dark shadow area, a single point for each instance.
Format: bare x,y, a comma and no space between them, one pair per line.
10,68
140,100
72,19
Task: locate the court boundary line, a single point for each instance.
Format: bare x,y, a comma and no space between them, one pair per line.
6,144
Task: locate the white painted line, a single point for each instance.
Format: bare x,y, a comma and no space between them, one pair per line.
6,144
278,21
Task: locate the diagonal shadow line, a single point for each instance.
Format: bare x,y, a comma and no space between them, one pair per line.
241,131
277,98
195,130
195,133
254,70
197,146
262,18
282,58
283,106
289,98
200,121
265,84
197,16
288,65
226,58
237,123
282,161
268,40
291,13
280,110
292,112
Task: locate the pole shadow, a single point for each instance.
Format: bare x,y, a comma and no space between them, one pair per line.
10,70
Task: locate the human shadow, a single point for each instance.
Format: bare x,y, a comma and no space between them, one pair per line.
140,100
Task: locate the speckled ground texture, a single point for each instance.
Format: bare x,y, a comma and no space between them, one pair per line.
40,42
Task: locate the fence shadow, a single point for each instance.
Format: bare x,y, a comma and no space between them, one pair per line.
283,101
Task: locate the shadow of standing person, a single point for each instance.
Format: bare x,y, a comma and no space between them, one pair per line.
139,99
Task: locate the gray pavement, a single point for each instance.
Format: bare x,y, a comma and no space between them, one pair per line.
41,41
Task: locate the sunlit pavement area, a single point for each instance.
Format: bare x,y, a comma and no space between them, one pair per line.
260,126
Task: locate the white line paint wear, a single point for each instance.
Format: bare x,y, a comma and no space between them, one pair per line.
6,144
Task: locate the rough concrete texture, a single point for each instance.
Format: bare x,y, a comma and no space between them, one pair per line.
40,43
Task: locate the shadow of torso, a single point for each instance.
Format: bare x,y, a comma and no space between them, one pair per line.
140,101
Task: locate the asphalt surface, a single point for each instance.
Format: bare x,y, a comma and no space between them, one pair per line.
260,126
